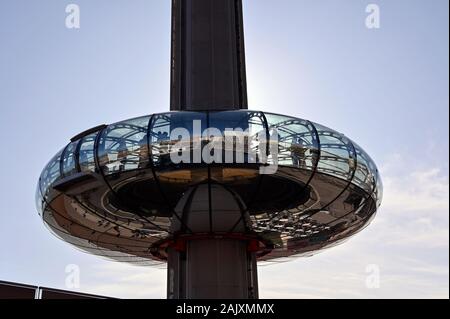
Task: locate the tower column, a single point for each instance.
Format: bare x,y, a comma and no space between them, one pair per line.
208,74
217,260
208,57
212,269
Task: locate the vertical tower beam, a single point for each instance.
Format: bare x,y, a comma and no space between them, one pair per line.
208,74
208,56
212,267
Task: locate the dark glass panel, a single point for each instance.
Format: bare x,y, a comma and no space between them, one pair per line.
174,134
243,136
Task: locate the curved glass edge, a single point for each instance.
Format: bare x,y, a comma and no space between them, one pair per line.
133,250
50,175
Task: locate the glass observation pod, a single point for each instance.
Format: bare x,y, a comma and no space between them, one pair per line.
115,190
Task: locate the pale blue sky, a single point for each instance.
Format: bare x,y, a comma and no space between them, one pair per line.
315,59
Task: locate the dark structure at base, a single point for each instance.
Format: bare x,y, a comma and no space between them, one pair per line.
11,290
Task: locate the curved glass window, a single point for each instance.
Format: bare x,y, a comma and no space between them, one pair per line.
50,174
379,189
176,138
365,174
298,143
39,200
337,153
87,153
243,136
69,166
124,146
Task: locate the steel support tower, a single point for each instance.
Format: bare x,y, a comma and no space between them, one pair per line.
208,74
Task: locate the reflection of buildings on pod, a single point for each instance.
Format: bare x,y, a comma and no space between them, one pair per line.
114,192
